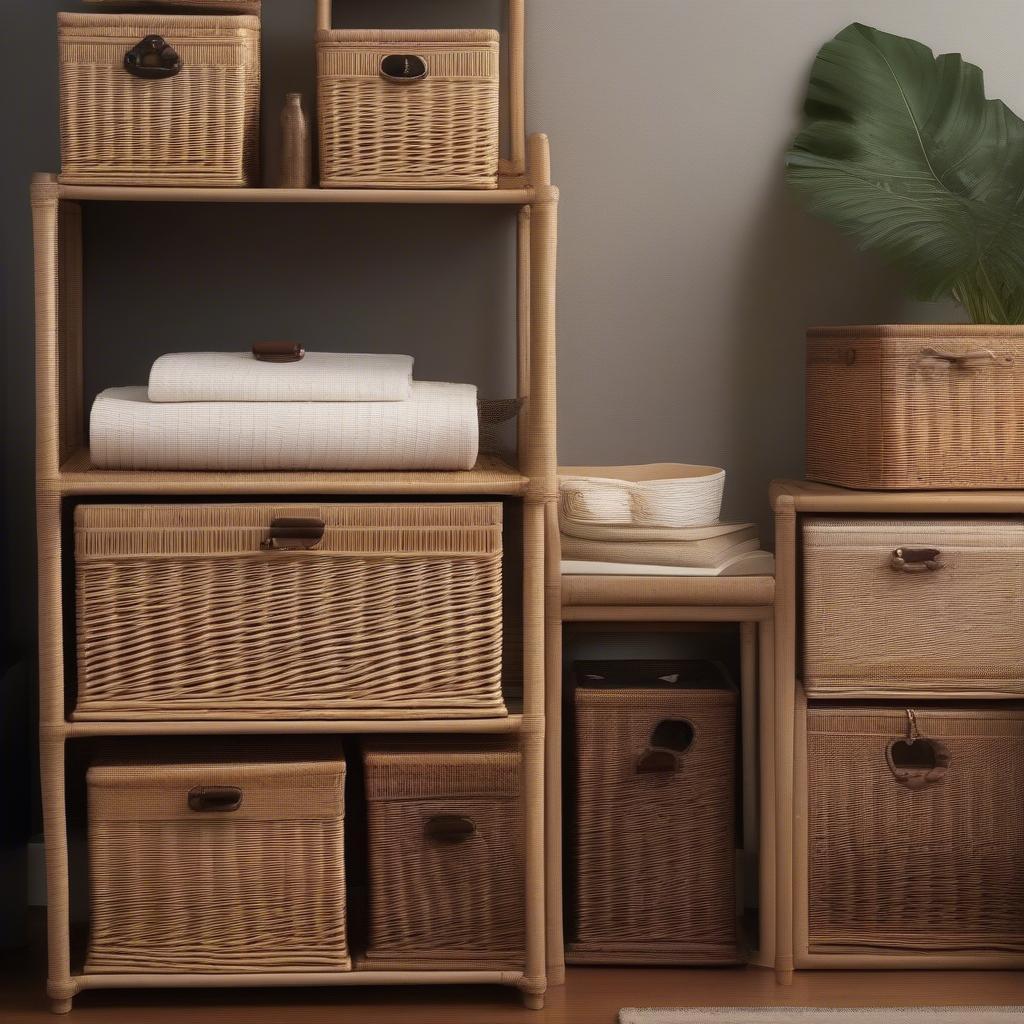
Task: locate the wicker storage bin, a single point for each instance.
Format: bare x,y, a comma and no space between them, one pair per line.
919,847
446,859
912,407
264,611
898,607
439,130
656,804
216,861
198,126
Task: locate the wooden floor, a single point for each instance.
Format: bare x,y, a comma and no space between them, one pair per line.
592,995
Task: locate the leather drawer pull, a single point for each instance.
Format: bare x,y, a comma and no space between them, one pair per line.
215,798
403,67
152,57
450,828
293,534
277,351
916,560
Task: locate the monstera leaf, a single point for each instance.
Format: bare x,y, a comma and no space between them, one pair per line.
902,150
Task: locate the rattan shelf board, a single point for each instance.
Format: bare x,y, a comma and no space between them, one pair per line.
510,192
490,475
667,590
805,496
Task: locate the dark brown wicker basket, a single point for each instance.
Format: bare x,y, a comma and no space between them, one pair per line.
446,861
654,844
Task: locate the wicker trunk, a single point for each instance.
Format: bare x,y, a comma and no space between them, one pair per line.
916,407
905,606
197,125
210,861
408,109
654,845
445,854
264,611
915,847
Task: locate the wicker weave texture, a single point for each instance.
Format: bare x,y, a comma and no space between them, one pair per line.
208,6
257,889
655,855
199,127
871,625
916,407
934,869
438,902
439,132
180,612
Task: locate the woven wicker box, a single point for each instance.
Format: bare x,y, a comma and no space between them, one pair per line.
915,848
211,860
264,611
408,109
904,606
445,854
911,407
654,846
199,125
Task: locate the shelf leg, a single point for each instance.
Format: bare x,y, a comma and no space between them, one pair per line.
533,1000
60,1006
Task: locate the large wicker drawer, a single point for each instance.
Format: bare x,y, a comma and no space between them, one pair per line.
903,607
445,823
656,804
218,857
915,848
239,611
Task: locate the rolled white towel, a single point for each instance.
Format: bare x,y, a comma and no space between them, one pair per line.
436,429
317,377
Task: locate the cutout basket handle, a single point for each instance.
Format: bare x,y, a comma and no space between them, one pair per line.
916,560
450,829
669,740
152,57
219,799
917,761
293,534
403,67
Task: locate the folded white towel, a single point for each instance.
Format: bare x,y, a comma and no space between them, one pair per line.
317,377
436,429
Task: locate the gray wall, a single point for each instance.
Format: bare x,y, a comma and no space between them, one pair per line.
686,274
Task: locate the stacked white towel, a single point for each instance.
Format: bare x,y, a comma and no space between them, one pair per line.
230,411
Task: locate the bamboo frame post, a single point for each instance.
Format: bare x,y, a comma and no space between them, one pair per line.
748,720
785,687
523,331
767,894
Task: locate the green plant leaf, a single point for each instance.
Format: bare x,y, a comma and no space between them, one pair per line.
902,150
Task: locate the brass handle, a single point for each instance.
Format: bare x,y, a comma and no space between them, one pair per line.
916,560
215,798
450,828
961,359
293,534
403,67
277,351
152,57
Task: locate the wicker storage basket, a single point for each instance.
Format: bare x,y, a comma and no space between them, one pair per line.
656,805
378,129
445,854
263,611
914,407
207,6
215,861
919,847
898,607
198,126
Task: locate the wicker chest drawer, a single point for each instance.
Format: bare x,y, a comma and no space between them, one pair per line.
899,607
915,846
216,861
445,854
264,611
654,846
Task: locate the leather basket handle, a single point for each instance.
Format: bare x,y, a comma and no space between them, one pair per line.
403,67
916,560
152,57
293,534
917,761
219,799
450,829
277,351
965,359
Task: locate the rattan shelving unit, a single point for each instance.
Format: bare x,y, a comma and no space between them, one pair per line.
64,473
